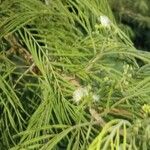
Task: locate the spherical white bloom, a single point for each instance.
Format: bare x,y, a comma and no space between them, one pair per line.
46,2
79,93
104,20
95,98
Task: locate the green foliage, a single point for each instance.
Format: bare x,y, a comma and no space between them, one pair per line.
52,49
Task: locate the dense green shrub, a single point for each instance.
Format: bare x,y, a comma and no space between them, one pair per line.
70,79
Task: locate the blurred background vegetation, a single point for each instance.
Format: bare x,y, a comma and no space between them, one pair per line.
134,18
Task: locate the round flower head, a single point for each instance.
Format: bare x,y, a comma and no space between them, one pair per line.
146,108
80,93
95,98
104,20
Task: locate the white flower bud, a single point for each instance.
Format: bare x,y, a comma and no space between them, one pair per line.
104,20
79,93
95,98
130,75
